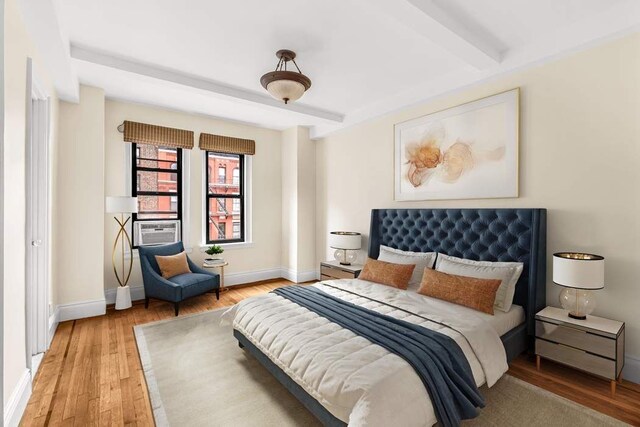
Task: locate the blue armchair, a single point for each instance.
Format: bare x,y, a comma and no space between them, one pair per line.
177,288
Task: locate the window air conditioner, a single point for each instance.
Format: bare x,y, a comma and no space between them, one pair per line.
156,232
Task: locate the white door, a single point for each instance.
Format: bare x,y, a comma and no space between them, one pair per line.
37,221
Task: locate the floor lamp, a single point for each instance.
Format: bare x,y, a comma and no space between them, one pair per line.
122,206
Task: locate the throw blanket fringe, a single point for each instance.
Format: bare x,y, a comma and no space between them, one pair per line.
436,358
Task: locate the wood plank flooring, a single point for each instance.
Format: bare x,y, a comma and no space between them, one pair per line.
92,375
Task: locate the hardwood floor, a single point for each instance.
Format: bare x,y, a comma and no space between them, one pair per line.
582,388
91,375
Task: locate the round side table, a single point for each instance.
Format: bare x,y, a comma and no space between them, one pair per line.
221,267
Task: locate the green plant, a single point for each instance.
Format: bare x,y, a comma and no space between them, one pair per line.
214,250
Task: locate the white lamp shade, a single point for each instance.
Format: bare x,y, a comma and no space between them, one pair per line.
118,204
345,240
578,270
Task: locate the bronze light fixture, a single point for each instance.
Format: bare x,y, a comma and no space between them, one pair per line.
285,85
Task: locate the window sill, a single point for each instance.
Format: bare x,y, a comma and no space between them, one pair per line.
228,246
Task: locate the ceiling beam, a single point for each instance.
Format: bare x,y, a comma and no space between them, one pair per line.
439,26
41,21
199,83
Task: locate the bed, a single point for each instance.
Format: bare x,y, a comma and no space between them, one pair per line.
342,378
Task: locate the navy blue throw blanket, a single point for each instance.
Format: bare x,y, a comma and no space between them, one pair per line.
436,358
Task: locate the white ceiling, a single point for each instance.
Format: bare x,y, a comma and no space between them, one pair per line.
364,57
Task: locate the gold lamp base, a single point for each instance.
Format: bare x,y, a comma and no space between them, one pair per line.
122,236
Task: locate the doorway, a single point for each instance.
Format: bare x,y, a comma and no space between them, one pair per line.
38,215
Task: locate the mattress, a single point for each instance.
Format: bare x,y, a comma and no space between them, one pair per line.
504,322
500,321
359,382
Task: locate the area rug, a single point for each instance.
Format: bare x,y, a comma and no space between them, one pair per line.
198,376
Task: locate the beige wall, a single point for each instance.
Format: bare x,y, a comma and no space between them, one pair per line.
306,204
298,204
289,199
266,203
17,48
79,199
579,157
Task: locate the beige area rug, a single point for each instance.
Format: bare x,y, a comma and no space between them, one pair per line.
198,376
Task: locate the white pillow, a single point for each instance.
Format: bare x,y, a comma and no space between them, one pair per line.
421,260
508,272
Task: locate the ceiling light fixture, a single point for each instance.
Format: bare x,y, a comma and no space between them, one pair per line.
285,85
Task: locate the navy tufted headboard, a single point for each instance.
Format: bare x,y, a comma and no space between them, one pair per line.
478,234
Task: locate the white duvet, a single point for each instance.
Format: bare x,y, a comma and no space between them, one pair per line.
359,382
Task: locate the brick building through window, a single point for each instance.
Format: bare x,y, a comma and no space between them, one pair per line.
225,197
157,172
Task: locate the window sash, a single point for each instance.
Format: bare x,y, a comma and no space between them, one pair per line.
135,168
209,173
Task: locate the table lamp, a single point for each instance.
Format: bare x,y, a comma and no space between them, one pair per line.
122,206
579,274
345,243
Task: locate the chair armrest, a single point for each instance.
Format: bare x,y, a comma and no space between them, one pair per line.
197,269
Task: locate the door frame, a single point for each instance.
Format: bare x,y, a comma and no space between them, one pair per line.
2,49
38,218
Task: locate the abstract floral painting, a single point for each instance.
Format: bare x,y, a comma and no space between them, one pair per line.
465,152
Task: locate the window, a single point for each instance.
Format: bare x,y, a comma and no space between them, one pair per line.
236,176
222,230
224,210
157,182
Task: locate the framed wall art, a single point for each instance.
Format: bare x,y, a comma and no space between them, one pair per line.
464,152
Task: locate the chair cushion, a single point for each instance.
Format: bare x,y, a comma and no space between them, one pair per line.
150,252
173,265
193,284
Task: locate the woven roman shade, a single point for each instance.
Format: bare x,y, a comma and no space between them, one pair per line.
142,133
227,144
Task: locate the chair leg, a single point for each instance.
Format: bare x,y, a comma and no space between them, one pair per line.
217,293
176,306
146,302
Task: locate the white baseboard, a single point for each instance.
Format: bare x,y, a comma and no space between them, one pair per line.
18,400
53,324
300,276
252,276
80,310
631,371
137,293
230,279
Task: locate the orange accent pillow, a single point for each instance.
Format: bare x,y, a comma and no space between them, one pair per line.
479,294
387,273
172,265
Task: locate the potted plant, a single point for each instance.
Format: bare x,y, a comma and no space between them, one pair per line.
215,251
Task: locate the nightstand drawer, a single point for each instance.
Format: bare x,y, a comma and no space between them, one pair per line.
336,273
577,358
576,338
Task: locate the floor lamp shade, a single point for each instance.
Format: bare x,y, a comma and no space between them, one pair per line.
120,204
343,242
579,274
